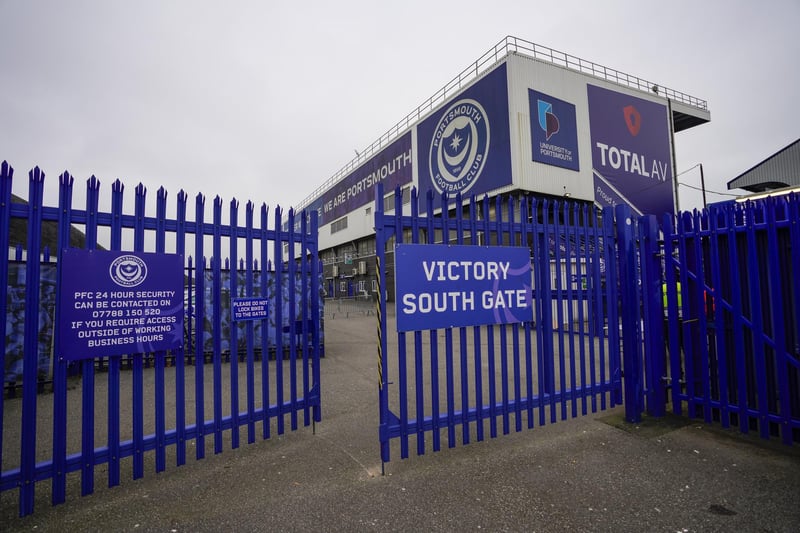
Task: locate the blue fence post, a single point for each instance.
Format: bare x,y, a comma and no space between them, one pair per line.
233,288
250,266
60,366
200,315
137,381
31,357
777,288
6,175
216,322
291,318
87,376
160,356
265,421
113,415
632,384
612,308
316,268
280,238
180,359
654,353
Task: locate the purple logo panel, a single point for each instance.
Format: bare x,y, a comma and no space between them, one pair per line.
465,146
113,303
630,151
554,131
451,286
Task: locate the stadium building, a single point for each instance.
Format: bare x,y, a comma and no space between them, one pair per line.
522,120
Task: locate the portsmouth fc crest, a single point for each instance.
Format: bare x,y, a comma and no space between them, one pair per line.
459,147
128,271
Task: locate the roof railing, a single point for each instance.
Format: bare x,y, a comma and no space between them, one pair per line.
497,53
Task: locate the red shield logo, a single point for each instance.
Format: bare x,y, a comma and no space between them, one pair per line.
632,119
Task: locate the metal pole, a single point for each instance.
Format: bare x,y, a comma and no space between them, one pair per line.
672,154
703,185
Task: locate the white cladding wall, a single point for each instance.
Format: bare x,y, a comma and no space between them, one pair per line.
525,73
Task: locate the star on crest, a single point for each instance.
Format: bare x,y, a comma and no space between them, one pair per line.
456,142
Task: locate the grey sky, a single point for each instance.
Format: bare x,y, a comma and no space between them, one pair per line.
264,101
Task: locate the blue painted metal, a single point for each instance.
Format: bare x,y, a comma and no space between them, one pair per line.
59,366
279,344
147,425
630,317
250,266
737,341
652,303
31,350
6,177
160,356
200,315
494,373
180,356
265,389
716,295
114,362
138,359
292,272
216,322
233,256
612,310
87,366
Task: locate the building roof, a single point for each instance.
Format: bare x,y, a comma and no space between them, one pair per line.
782,169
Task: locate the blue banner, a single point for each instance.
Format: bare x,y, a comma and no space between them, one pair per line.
438,286
113,303
391,166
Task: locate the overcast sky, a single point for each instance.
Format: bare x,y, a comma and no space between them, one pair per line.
264,101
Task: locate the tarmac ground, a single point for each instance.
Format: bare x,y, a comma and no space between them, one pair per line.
592,473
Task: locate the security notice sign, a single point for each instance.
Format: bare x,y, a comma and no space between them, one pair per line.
440,286
113,303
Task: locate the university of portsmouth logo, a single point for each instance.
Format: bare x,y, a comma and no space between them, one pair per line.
459,147
548,121
128,271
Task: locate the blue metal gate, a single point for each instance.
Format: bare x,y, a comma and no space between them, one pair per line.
703,317
725,295
152,404
464,383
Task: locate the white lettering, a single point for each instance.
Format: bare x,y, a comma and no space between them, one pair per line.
465,270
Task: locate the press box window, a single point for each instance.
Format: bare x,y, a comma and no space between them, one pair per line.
388,200
338,225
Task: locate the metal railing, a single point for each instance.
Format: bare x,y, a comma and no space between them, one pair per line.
498,52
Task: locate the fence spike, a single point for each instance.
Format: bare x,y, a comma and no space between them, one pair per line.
93,183
65,179
6,170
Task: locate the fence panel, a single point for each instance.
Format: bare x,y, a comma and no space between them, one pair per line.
131,410
462,383
731,281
